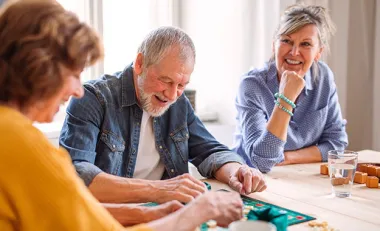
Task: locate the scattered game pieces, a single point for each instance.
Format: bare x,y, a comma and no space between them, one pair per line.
321,226
211,224
246,211
360,177
325,169
372,182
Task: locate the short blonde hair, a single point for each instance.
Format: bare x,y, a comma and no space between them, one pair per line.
297,16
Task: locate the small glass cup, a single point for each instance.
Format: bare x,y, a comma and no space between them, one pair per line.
342,167
251,225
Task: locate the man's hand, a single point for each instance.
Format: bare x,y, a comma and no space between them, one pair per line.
247,180
183,188
223,207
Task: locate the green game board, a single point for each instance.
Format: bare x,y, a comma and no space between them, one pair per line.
293,216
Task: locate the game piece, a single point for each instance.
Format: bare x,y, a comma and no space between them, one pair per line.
324,169
360,177
211,224
244,219
372,170
362,168
246,211
312,223
372,182
248,207
339,181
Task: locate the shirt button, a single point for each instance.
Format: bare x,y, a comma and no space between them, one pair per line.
172,170
154,121
133,151
160,147
113,146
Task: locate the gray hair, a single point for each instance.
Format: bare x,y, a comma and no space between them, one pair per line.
297,16
159,41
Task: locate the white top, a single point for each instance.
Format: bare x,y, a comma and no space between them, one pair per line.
148,164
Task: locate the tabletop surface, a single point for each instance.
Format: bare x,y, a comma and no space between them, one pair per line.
302,188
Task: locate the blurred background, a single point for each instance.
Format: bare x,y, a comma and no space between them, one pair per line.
233,36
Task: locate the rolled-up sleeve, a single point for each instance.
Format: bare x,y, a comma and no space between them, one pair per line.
80,132
261,149
334,136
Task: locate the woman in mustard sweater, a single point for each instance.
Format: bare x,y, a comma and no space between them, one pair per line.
43,51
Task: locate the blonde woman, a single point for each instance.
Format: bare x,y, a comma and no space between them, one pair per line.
288,110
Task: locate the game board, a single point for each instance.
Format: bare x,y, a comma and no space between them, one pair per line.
293,216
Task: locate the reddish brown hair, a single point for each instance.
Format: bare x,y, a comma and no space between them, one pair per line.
38,39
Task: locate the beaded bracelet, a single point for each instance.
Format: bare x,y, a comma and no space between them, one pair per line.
283,108
288,101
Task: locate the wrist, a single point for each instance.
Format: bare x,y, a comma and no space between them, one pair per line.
227,171
140,190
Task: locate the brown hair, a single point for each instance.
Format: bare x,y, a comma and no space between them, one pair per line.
38,38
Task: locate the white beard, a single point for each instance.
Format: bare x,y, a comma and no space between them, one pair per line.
146,99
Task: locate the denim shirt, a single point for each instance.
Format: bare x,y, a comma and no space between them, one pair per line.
102,129
317,118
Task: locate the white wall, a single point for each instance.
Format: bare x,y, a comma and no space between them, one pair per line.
230,38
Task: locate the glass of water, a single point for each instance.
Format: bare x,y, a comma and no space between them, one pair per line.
342,167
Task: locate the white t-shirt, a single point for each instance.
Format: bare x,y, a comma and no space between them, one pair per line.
148,164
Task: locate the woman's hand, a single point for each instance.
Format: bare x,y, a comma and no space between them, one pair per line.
291,85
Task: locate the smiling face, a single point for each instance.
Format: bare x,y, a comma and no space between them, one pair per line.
160,85
43,111
297,51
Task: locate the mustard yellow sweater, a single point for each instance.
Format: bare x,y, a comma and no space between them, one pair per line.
39,188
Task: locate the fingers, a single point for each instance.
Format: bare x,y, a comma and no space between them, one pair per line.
182,197
247,179
202,187
236,185
184,188
231,208
173,206
251,180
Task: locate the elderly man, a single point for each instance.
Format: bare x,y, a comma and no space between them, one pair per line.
132,134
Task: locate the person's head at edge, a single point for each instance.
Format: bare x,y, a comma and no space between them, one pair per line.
42,55
300,38
162,68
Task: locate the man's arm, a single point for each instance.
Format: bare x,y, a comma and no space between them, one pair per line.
113,189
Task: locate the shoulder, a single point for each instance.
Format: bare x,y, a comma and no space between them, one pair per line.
22,142
254,83
106,88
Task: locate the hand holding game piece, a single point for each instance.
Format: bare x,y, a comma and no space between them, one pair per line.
247,180
182,188
222,207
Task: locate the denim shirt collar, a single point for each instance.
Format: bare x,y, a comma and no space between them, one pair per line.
273,83
128,93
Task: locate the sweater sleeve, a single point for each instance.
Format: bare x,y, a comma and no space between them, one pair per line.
40,188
